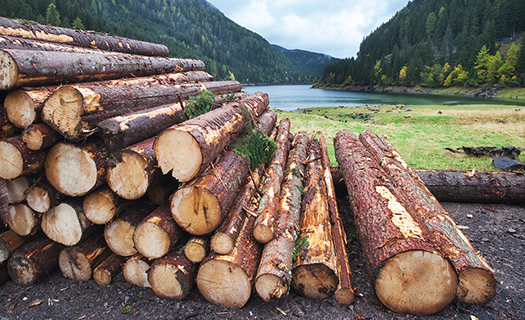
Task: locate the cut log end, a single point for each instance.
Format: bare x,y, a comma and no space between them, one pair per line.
16,189
11,161
74,265
38,199
119,237
135,272
151,240
168,281
263,233
20,109
21,270
60,218
476,286
315,281
344,296
195,252
8,71
416,282
21,219
98,208
102,277
224,283
196,210
270,286
178,151
63,110
129,178
221,243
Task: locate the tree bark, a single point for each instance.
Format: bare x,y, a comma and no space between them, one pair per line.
34,261
16,189
4,202
78,262
40,136
10,241
42,196
103,205
16,159
135,270
108,269
23,106
189,148
197,248
273,276
477,283
407,273
23,220
19,43
271,188
76,169
157,233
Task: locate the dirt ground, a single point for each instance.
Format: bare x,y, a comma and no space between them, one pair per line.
496,230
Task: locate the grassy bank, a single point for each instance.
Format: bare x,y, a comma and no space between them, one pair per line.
420,133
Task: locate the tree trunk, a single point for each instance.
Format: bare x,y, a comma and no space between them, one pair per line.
16,159
408,275
40,136
78,262
19,43
76,110
76,169
135,172
108,269
345,292
135,270
4,202
10,241
119,233
24,105
197,248
477,283
157,233
103,205
42,196
273,276
189,148
16,189
271,187
23,220
172,276
34,261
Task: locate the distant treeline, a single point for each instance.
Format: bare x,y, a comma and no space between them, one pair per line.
439,43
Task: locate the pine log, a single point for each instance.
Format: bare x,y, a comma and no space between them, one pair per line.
189,148
4,202
157,233
345,292
10,241
34,261
23,106
172,276
273,276
16,189
76,110
66,223
42,196
40,136
407,273
103,205
197,248
271,187
136,172
23,220
477,283
80,38
19,43
16,159
108,269
135,270
119,233
314,269
78,262
76,169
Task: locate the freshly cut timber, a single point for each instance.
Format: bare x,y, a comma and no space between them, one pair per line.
34,261
19,43
66,223
119,233
407,273
273,276
23,220
135,270
197,248
76,169
40,136
78,262
76,110
16,189
477,283
108,269
189,148
345,292
172,276
157,233
10,241
314,269
135,172
16,159
271,186
103,205
4,202
23,106
41,196
80,38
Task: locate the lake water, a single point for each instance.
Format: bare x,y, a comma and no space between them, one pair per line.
294,97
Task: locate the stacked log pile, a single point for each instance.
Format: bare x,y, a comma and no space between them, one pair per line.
103,172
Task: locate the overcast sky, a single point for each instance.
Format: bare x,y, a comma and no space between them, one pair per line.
334,27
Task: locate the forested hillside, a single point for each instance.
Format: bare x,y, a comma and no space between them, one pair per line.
439,43
309,61
190,29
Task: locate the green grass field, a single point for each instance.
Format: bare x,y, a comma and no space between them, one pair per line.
420,133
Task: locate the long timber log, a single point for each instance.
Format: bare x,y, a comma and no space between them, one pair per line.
16,159
407,273
24,105
19,43
103,205
477,283
80,38
189,148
